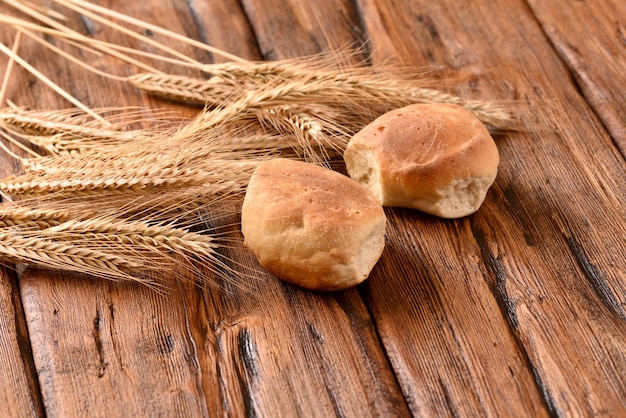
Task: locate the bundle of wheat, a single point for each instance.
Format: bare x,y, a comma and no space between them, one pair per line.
91,166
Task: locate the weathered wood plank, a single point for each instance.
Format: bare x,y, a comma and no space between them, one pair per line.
111,349
279,350
585,34
431,318
19,391
120,350
548,242
517,310
294,28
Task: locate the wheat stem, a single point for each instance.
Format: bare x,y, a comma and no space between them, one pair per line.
9,69
63,31
70,5
69,57
20,146
48,82
156,29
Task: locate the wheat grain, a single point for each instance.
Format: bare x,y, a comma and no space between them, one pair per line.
313,136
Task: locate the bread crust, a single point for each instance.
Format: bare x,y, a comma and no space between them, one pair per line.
311,226
438,158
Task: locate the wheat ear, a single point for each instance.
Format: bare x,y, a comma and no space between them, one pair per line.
24,217
380,93
378,80
139,233
53,255
313,136
184,89
34,186
70,131
221,177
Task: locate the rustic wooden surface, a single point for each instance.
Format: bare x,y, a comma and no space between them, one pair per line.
517,310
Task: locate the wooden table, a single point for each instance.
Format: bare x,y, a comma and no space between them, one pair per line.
517,310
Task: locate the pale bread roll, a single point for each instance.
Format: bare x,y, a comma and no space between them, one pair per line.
437,158
311,226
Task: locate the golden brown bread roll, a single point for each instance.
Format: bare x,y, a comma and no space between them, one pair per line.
312,226
437,158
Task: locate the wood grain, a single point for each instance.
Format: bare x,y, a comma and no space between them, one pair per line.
518,310
19,389
586,34
280,349
274,349
110,349
225,25
292,28
548,256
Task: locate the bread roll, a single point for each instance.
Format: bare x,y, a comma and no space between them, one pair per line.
437,158
311,226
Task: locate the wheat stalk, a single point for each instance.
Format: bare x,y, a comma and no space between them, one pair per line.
47,81
138,233
82,241
219,177
367,96
68,131
80,6
107,201
53,255
63,32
